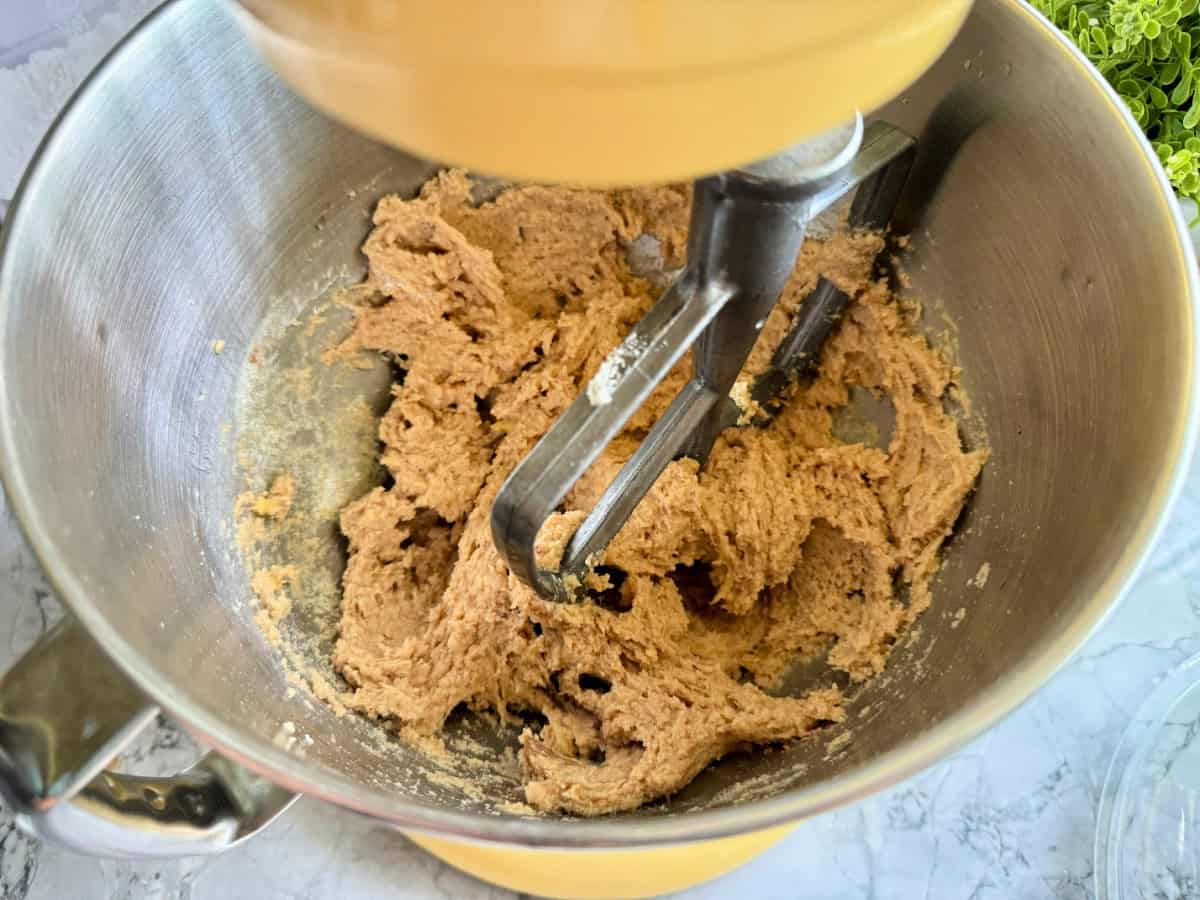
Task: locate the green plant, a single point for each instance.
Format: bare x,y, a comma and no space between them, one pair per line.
1149,50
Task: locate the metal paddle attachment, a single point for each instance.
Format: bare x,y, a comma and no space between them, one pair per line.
746,229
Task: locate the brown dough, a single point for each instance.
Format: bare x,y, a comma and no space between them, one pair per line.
787,544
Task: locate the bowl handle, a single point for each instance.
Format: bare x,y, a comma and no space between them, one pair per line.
65,712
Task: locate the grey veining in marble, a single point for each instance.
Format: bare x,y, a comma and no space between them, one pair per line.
1010,816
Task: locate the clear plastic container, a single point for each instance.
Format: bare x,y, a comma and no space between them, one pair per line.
1148,823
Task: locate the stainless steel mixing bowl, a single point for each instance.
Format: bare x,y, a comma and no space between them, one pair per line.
185,197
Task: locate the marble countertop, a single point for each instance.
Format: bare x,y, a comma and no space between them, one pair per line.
1010,816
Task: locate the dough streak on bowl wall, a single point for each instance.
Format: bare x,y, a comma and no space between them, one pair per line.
791,546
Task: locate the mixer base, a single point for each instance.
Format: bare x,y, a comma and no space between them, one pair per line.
602,874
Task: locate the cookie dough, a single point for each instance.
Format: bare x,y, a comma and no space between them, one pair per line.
789,543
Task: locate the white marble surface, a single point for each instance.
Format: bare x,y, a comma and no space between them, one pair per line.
1011,816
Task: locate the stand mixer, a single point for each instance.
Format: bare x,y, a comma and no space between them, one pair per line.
118,466
634,92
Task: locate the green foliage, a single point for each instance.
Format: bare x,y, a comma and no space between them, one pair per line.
1149,50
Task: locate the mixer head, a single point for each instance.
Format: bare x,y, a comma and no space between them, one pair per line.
746,229
600,94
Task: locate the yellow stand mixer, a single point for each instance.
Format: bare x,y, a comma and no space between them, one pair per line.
763,92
